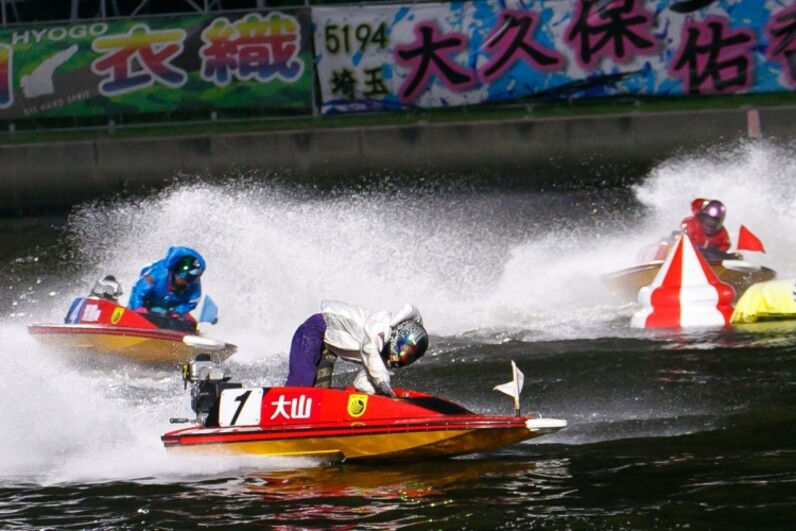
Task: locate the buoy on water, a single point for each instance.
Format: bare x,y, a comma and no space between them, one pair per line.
685,293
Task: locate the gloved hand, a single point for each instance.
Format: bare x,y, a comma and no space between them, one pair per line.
384,389
159,311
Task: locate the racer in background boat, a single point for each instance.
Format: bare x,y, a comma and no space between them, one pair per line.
705,227
375,339
170,287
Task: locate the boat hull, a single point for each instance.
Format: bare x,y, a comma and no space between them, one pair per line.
139,345
346,425
101,327
767,301
408,441
737,273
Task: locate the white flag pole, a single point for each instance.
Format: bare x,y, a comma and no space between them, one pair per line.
516,388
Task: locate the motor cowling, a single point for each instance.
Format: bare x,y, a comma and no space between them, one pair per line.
207,381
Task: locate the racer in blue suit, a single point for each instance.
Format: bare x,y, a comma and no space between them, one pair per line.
170,286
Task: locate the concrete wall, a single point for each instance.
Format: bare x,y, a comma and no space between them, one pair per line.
526,152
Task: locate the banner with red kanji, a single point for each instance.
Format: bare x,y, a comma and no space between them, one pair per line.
374,57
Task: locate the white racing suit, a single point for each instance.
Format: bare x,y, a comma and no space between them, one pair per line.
351,333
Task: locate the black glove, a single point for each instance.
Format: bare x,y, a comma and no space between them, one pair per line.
384,389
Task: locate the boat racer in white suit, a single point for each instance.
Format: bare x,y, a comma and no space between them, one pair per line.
378,340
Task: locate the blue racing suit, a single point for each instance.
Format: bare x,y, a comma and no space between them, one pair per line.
155,292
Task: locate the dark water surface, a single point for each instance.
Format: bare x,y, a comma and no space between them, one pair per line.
659,438
667,429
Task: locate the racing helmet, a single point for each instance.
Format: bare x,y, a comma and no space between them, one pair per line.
697,204
187,269
408,342
711,216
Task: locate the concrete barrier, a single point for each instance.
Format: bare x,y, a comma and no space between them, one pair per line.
524,152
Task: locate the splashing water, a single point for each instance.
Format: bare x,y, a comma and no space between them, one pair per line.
468,260
481,265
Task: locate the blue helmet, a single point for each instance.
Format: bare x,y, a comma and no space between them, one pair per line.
408,342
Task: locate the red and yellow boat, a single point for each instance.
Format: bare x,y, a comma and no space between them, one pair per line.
335,425
99,326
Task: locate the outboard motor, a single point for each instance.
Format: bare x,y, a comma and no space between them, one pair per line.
207,381
107,288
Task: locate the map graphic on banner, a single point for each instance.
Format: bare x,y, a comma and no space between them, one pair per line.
200,63
376,57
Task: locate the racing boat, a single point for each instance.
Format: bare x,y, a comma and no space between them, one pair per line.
730,268
767,301
99,325
336,425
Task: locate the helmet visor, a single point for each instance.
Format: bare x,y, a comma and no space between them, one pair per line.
188,270
408,344
712,224
407,353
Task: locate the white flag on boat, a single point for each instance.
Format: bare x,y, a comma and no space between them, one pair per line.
514,387
209,313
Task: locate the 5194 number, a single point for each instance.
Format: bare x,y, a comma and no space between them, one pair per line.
347,38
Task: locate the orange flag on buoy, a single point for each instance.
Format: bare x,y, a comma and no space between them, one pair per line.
748,241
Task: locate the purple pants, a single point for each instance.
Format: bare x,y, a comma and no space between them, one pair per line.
305,352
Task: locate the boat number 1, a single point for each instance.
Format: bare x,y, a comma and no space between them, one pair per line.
240,407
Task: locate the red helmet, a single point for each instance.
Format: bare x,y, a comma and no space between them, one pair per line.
711,216
697,204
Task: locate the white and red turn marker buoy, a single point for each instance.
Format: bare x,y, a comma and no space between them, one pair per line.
685,293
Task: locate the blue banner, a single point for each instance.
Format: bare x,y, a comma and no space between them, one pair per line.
463,53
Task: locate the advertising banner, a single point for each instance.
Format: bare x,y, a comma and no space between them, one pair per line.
447,54
158,65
